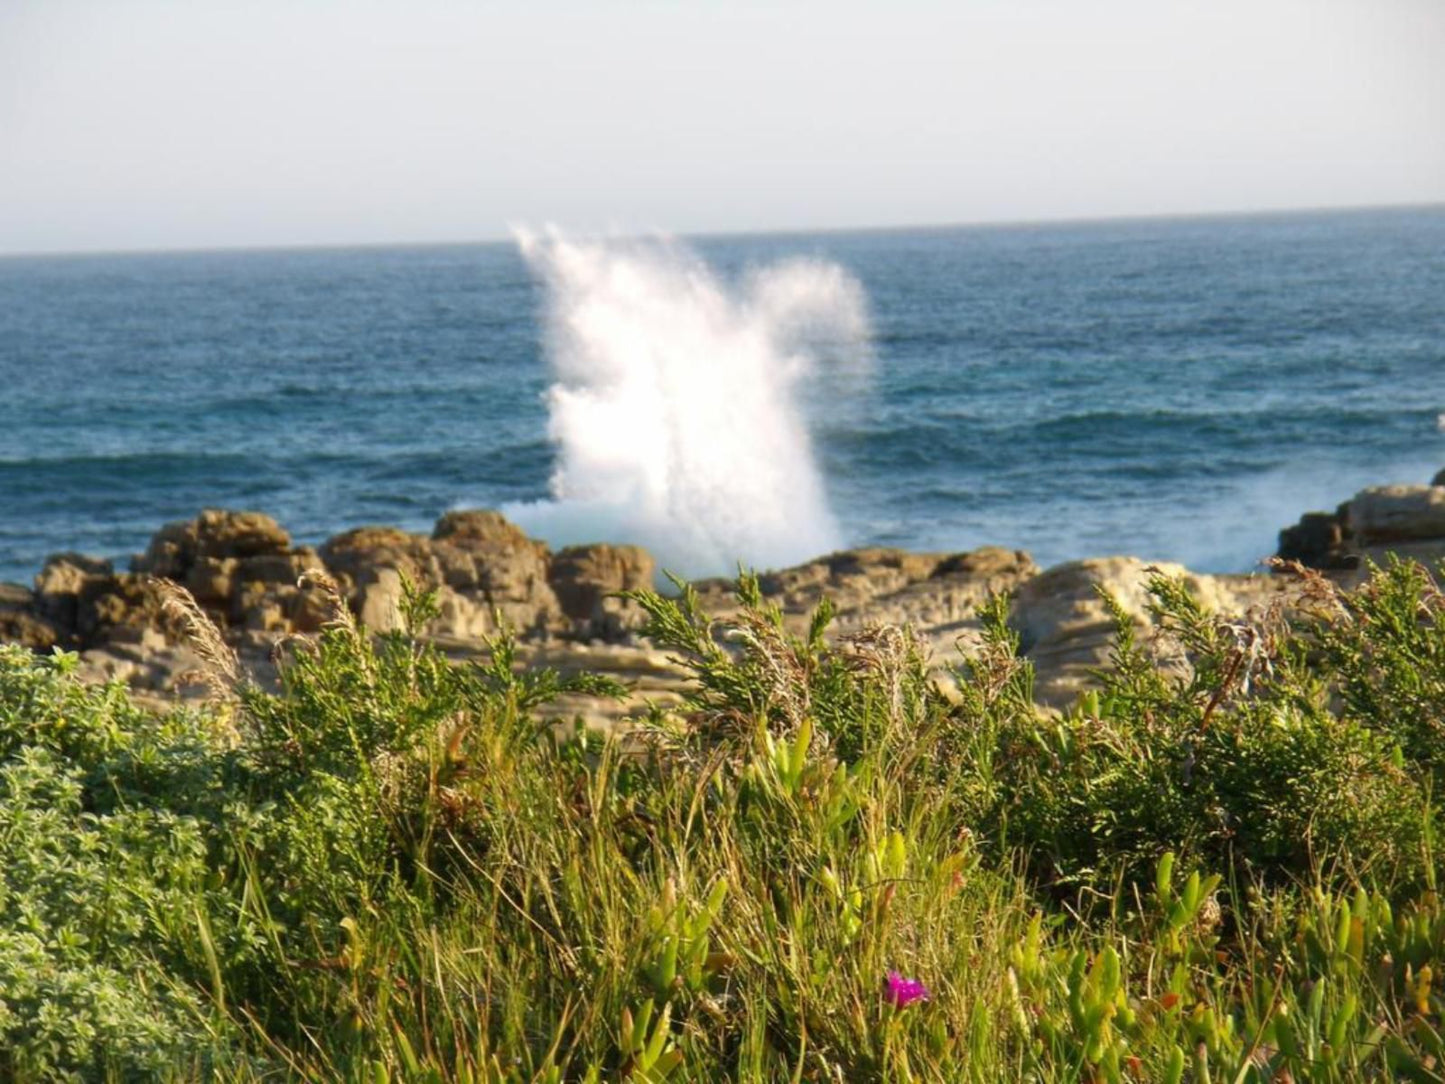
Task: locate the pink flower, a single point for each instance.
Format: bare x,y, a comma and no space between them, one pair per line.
900,992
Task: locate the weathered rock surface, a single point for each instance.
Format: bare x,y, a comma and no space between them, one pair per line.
21,621
246,574
1066,629
586,581
1406,520
934,592
216,533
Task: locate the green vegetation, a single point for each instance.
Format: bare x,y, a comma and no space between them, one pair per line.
822,868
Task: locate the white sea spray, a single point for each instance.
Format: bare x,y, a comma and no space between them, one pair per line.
676,407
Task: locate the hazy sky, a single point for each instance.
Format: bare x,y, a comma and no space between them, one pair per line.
153,124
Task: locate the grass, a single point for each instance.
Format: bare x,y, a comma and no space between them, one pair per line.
391,871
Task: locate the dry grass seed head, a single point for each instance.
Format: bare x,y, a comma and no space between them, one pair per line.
1318,594
883,650
221,669
785,674
1255,645
315,579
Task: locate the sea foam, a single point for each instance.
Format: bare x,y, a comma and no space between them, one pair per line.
677,409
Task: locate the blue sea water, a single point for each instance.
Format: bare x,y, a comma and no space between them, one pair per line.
1177,389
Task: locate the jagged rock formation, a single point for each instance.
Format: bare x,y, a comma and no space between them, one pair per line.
244,571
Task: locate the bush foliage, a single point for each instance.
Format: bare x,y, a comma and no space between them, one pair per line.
823,866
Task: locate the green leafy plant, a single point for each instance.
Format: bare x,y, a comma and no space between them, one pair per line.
820,866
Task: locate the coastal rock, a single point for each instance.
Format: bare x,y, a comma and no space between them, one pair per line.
462,618
1065,627
279,568
265,594
220,533
484,568
851,578
215,533
480,528
21,624
357,556
65,583
85,600
1318,540
949,597
1384,514
937,594
1405,521
586,579
243,570
147,662
124,602
481,551
371,563
211,580
651,678
171,552
379,600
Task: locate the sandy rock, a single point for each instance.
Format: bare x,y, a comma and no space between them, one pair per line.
63,581
279,568
462,617
379,601
649,676
119,602
359,554
954,590
211,580
938,594
20,623
215,533
268,608
481,564
482,551
265,592
147,662
1385,514
1405,521
1253,593
171,552
98,666
1065,628
586,579
487,572
66,592
479,528
221,533
1429,552
310,610
1318,540
850,578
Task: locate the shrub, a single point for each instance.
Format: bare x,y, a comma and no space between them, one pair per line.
819,866
102,895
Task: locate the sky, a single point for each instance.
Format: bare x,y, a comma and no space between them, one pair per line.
153,124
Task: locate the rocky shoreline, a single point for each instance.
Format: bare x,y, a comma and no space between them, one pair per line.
259,589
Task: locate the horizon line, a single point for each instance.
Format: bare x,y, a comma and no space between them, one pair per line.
765,231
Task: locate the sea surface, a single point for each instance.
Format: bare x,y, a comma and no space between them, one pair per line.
1177,389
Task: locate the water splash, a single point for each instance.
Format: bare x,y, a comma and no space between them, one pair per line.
676,408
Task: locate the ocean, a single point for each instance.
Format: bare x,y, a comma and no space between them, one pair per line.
1178,389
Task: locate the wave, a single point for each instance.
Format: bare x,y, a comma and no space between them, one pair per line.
676,408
